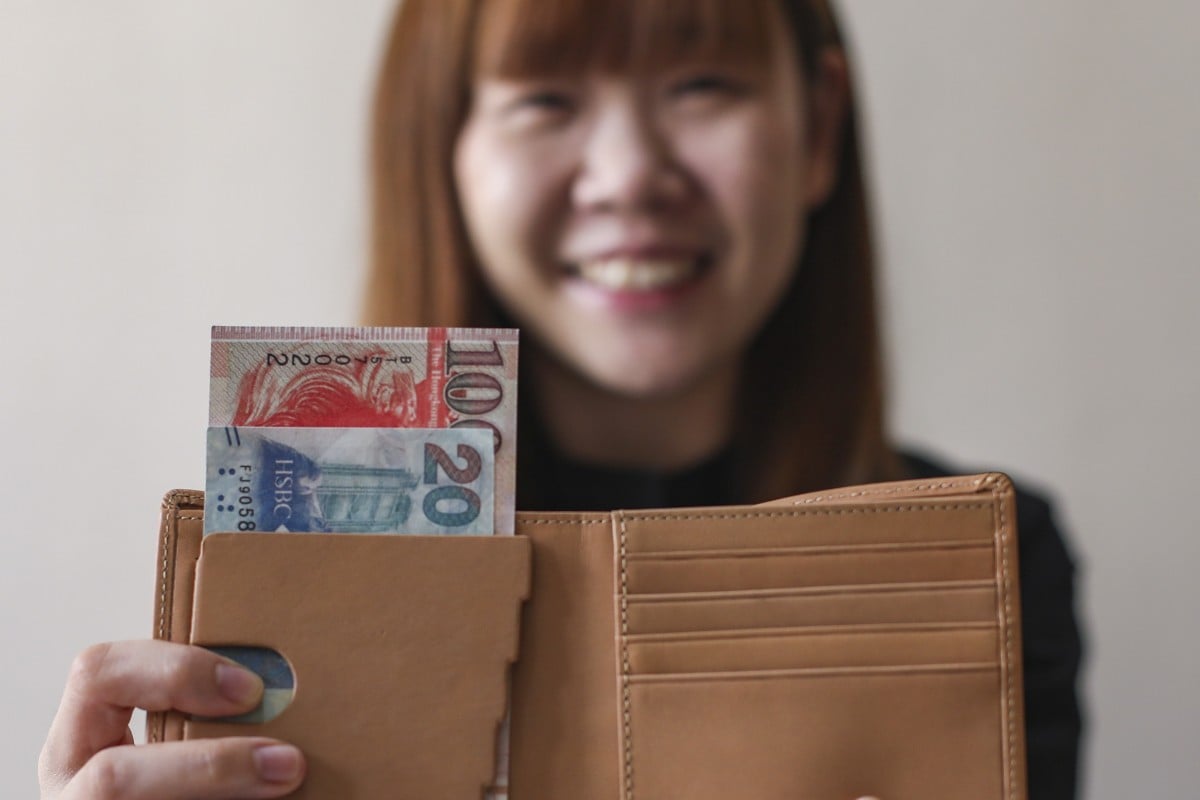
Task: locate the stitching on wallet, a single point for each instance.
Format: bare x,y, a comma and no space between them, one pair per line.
808,512
165,533
897,490
625,701
1008,656
179,496
167,544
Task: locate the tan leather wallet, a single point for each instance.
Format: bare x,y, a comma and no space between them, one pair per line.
864,641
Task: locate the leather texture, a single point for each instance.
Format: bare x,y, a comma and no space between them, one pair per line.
860,642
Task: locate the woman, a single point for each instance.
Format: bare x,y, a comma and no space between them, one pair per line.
666,197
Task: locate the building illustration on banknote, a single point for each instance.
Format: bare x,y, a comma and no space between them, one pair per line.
357,499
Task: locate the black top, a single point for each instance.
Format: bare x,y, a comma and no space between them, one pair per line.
1050,632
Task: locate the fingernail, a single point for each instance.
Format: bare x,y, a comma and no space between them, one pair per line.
278,763
239,685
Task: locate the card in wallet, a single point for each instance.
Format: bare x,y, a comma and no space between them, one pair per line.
850,643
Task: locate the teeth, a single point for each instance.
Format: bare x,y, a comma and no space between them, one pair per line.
638,274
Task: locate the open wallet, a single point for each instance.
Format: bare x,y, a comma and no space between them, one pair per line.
858,642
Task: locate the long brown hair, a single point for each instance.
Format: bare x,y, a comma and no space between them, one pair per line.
812,412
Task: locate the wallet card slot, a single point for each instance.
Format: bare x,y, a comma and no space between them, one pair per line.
972,602
882,732
807,591
775,527
810,649
731,570
785,673
740,633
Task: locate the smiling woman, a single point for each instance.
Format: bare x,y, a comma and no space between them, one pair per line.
667,197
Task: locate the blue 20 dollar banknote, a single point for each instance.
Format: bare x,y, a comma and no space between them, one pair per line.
350,480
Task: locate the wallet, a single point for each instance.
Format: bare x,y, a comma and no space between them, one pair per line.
858,642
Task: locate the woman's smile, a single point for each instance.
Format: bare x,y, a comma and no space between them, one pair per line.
636,278
638,273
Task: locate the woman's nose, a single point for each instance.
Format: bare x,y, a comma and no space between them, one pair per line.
628,163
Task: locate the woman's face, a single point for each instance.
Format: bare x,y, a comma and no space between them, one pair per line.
642,226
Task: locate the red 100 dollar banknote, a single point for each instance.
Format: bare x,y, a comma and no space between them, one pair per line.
373,378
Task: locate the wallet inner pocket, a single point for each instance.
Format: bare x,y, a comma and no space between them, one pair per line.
689,571
812,649
822,735
969,601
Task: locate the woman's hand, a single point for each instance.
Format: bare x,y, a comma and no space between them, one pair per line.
89,753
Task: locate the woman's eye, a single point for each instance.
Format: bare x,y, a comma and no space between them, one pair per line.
544,101
707,84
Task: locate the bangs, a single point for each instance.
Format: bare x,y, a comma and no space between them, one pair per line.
533,38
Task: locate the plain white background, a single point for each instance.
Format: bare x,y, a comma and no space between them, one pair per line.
167,166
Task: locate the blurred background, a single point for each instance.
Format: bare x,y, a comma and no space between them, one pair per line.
167,166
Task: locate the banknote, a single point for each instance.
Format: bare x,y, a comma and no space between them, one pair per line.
350,480
455,378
